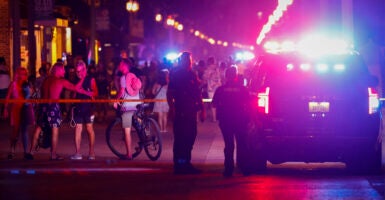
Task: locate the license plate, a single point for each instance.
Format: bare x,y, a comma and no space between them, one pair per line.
319,106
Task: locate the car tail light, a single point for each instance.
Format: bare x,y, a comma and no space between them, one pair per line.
374,102
263,101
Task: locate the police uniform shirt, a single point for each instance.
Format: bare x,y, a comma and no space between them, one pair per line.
184,88
232,102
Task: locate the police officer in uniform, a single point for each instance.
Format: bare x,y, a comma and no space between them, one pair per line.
185,101
232,102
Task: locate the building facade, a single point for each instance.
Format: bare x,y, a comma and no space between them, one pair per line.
5,30
51,35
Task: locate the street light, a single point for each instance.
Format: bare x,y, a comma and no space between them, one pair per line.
132,6
170,22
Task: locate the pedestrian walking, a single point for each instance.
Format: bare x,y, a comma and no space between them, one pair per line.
232,102
83,113
185,100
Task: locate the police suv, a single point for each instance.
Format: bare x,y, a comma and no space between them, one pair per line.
319,107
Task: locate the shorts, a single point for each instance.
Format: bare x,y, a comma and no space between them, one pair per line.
82,116
54,115
127,119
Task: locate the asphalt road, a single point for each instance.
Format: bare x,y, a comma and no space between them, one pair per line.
117,179
110,178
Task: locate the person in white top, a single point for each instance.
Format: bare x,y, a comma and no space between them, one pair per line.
213,78
160,91
129,89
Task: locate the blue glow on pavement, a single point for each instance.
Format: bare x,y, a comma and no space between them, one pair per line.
80,170
15,171
31,171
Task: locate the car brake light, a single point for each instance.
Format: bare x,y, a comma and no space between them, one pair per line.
263,101
374,102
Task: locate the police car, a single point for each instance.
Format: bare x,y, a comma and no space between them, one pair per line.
316,107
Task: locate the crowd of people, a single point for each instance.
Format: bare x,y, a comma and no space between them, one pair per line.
184,85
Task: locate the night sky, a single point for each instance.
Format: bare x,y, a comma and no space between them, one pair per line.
232,20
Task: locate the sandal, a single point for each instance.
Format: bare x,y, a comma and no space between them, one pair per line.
57,158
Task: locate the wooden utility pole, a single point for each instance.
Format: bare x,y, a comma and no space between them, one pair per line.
15,9
31,39
91,48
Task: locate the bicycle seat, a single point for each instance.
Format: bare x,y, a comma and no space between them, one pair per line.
142,105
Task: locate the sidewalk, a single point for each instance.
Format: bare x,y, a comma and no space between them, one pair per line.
208,147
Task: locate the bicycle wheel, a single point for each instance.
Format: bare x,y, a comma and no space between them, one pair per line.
136,143
153,140
116,139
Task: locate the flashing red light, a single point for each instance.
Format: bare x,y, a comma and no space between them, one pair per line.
263,101
374,102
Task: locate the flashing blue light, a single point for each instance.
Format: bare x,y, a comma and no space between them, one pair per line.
172,56
244,56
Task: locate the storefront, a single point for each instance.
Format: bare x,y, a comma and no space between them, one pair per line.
53,41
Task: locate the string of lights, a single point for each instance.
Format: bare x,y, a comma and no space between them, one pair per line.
170,21
273,18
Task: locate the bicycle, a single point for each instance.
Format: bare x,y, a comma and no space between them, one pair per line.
147,137
45,136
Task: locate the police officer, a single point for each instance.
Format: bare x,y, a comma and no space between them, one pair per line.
185,100
232,102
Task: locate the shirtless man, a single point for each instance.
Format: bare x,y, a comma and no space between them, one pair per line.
51,89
